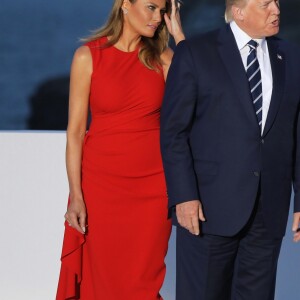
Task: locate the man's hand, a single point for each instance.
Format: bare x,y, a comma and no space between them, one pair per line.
296,225
188,215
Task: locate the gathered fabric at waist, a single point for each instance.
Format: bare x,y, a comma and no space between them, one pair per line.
126,151
128,121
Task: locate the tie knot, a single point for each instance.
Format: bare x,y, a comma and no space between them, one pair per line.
252,44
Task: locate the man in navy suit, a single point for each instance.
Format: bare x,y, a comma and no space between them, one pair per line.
230,140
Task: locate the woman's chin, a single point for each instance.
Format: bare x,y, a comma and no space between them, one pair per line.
148,34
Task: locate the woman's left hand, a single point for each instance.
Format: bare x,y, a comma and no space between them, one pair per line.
174,23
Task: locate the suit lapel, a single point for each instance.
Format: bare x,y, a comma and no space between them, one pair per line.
232,60
277,60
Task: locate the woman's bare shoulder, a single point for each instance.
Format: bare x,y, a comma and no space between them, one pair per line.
82,60
83,54
167,56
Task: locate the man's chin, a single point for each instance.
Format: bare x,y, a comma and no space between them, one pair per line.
273,31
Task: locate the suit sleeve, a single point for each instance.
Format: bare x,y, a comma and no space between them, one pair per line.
294,54
296,184
177,114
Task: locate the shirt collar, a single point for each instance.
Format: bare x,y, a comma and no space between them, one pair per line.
242,38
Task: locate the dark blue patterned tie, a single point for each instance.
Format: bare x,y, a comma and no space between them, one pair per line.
254,77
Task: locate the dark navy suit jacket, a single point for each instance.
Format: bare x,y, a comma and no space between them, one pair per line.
211,143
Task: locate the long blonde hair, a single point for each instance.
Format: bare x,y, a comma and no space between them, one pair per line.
151,48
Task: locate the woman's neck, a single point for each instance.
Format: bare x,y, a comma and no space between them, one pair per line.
128,41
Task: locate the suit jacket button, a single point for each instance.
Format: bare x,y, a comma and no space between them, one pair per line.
256,174
262,141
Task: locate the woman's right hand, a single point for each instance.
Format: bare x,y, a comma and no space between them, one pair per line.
76,214
173,23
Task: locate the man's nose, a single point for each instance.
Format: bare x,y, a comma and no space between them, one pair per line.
275,7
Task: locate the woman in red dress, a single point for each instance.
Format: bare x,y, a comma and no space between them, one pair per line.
117,232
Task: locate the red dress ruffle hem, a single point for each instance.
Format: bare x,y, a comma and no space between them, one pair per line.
71,265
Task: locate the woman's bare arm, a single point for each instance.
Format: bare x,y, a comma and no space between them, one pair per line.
80,80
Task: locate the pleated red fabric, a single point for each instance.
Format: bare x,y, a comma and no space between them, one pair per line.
71,269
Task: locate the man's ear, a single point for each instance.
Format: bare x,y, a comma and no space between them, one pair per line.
237,13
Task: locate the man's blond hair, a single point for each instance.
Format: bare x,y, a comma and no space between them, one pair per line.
228,11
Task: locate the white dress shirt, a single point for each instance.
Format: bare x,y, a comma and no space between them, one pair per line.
263,57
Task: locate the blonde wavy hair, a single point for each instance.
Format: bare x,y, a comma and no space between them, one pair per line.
228,11
151,48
